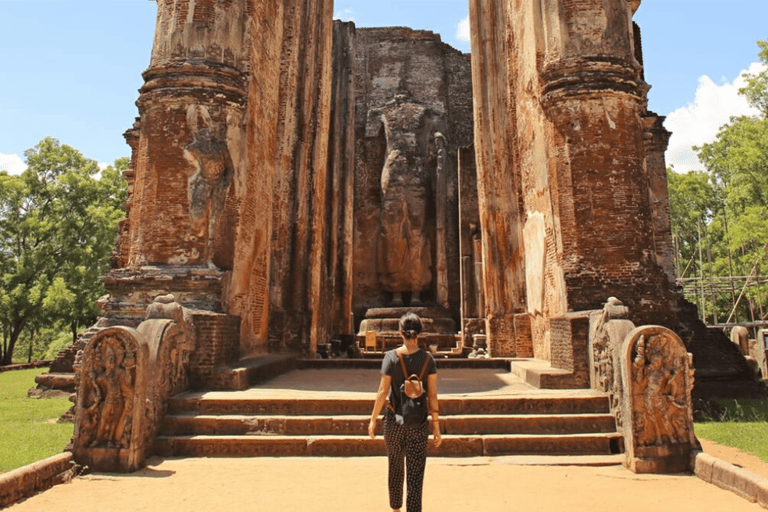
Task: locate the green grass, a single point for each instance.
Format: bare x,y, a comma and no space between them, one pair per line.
742,425
28,428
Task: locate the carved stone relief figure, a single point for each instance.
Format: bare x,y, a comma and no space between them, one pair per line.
657,381
405,238
608,330
659,378
109,395
207,186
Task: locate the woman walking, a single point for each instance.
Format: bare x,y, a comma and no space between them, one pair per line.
406,443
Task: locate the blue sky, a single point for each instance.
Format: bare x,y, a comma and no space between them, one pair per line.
70,69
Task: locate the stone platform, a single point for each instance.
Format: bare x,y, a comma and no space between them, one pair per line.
434,320
439,328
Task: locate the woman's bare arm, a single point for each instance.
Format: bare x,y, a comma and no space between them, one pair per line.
434,408
381,399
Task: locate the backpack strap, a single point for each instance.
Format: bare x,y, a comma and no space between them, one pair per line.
402,365
423,368
405,377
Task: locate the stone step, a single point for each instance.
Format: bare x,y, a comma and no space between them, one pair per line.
356,446
372,361
226,403
238,425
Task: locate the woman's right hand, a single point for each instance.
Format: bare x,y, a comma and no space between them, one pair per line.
372,428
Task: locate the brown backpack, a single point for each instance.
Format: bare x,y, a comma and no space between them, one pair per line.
413,399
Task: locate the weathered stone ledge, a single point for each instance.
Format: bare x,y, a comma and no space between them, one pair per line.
746,484
584,76
26,366
36,477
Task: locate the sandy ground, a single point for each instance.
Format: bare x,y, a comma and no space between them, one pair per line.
355,484
359,484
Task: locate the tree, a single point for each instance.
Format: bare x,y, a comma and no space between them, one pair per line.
693,203
756,90
57,228
736,163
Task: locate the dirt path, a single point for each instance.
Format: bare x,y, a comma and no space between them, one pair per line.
357,484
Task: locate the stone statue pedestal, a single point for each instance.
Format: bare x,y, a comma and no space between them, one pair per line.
438,327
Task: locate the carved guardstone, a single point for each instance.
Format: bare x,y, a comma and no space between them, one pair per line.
657,377
110,420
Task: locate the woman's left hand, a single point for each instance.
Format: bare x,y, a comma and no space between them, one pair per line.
437,437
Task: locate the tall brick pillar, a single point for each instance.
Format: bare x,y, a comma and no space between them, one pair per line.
187,162
593,94
191,108
565,208
498,184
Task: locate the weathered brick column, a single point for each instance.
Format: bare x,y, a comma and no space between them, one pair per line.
593,94
188,153
656,139
564,192
498,174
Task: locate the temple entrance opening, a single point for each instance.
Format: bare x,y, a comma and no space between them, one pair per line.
413,115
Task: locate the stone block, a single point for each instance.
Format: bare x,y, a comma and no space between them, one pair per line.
656,404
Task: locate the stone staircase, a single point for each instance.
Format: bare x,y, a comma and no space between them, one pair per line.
282,422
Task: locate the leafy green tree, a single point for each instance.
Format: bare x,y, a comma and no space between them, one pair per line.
756,90
736,165
693,203
738,160
57,229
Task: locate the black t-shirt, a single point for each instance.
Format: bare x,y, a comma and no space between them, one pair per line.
413,363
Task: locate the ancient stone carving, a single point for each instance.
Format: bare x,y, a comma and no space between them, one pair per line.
405,243
170,335
606,335
108,370
208,185
657,377
177,342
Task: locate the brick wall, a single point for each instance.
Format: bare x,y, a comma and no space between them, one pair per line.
218,339
570,335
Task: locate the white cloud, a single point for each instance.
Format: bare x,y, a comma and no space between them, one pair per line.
700,121
462,30
12,163
346,14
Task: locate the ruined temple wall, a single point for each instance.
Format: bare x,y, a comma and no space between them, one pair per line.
458,71
499,192
391,61
469,240
559,126
247,293
342,179
279,287
536,142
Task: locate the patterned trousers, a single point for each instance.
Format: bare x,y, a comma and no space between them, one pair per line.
405,445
